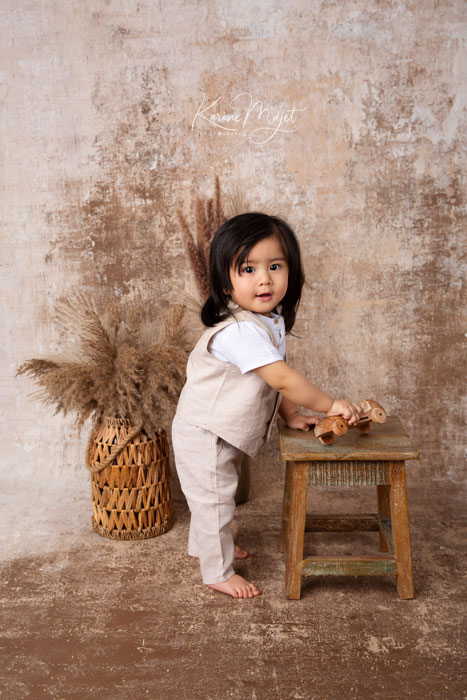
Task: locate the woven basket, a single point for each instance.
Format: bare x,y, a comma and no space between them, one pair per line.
131,496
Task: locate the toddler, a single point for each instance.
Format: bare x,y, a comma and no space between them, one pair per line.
238,380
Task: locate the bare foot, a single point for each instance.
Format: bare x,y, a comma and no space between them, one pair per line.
236,586
238,554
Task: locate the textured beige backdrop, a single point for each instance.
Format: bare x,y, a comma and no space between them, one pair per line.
102,141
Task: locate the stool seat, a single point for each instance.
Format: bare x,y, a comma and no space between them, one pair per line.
373,459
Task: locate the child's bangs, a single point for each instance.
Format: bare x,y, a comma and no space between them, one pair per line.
242,256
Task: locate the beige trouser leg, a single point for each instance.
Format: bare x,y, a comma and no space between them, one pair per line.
207,468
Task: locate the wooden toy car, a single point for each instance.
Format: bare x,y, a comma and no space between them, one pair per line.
372,412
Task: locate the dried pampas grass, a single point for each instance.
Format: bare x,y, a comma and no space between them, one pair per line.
114,368
209,215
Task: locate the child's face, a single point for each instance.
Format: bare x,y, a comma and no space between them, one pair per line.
262,281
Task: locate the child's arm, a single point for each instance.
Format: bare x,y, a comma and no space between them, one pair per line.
293,418
296,389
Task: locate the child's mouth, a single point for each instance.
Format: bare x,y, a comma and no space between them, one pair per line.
264,296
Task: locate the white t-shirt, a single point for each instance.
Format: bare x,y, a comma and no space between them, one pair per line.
248,346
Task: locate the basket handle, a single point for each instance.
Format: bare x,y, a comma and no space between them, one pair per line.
114,450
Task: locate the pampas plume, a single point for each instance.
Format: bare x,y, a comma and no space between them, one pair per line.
197,262
208,216
110,371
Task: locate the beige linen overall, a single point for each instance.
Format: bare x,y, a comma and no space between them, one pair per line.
221,415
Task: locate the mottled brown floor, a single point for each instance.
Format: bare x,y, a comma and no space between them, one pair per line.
94,618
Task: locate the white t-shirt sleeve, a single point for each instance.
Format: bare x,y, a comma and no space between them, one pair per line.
245,345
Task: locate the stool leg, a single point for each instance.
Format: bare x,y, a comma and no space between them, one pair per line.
296,530
286,504
384,511
400,530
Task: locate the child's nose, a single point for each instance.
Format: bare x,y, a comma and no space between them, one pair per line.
266,277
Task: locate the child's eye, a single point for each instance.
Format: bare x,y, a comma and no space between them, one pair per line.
248,269
275,266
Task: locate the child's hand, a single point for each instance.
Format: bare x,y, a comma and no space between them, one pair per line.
298,421
347,409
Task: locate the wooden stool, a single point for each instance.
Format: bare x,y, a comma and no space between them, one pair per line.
354,460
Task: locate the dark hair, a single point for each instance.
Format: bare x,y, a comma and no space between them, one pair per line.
236,237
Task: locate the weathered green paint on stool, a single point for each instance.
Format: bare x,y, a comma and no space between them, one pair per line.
350,566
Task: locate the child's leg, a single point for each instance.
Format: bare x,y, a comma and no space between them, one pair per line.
208,477
206,466
193,547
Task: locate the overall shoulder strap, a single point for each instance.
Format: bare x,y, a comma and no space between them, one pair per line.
244,315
